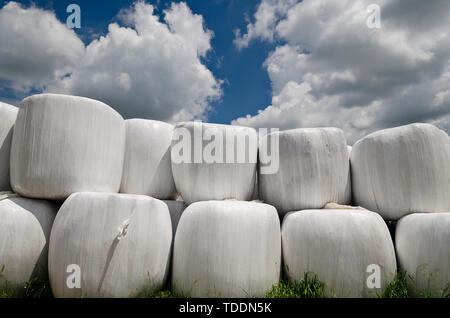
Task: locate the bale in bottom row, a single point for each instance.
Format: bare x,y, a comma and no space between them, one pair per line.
422,242
120,242
227,249
340,246
122,245
25,226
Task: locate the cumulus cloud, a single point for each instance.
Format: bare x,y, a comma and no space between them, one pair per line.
268,13
35,48
143,67
332,70
150,69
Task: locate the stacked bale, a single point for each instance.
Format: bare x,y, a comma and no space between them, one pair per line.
147,166
313,170
25,226
423,249
227,249
339,246
65,144
402,170
120,242
214,162
8,116
222,248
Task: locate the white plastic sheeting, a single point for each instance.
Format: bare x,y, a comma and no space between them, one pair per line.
215,166
65,144
402,170
227,249
339,246
8,114
121,243
422,243
25,226
313,170
147,167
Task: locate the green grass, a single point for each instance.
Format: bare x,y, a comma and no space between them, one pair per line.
38,288
397,288
159,294
309,287
34,288
446,292
5,291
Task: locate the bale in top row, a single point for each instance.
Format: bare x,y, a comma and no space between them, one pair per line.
8,116
402,170
309,167
65,144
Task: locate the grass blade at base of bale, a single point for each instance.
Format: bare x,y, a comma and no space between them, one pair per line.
309,287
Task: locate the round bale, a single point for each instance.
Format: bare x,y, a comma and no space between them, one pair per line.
147,167
313,169
25,226
227,249
214,162
402,170
118,243
65,144
351,251
422,241
8,114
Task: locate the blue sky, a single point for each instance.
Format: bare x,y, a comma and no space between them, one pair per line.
247,85
293,64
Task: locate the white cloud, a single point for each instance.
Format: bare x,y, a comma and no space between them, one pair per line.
35,48
332,70
144,68
268,13
151,69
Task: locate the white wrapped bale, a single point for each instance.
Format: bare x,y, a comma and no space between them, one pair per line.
121,243
313,170
147,167
8,114
402,170
339,246
227,249
65,144
422,243
176,208
25,226
214,162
